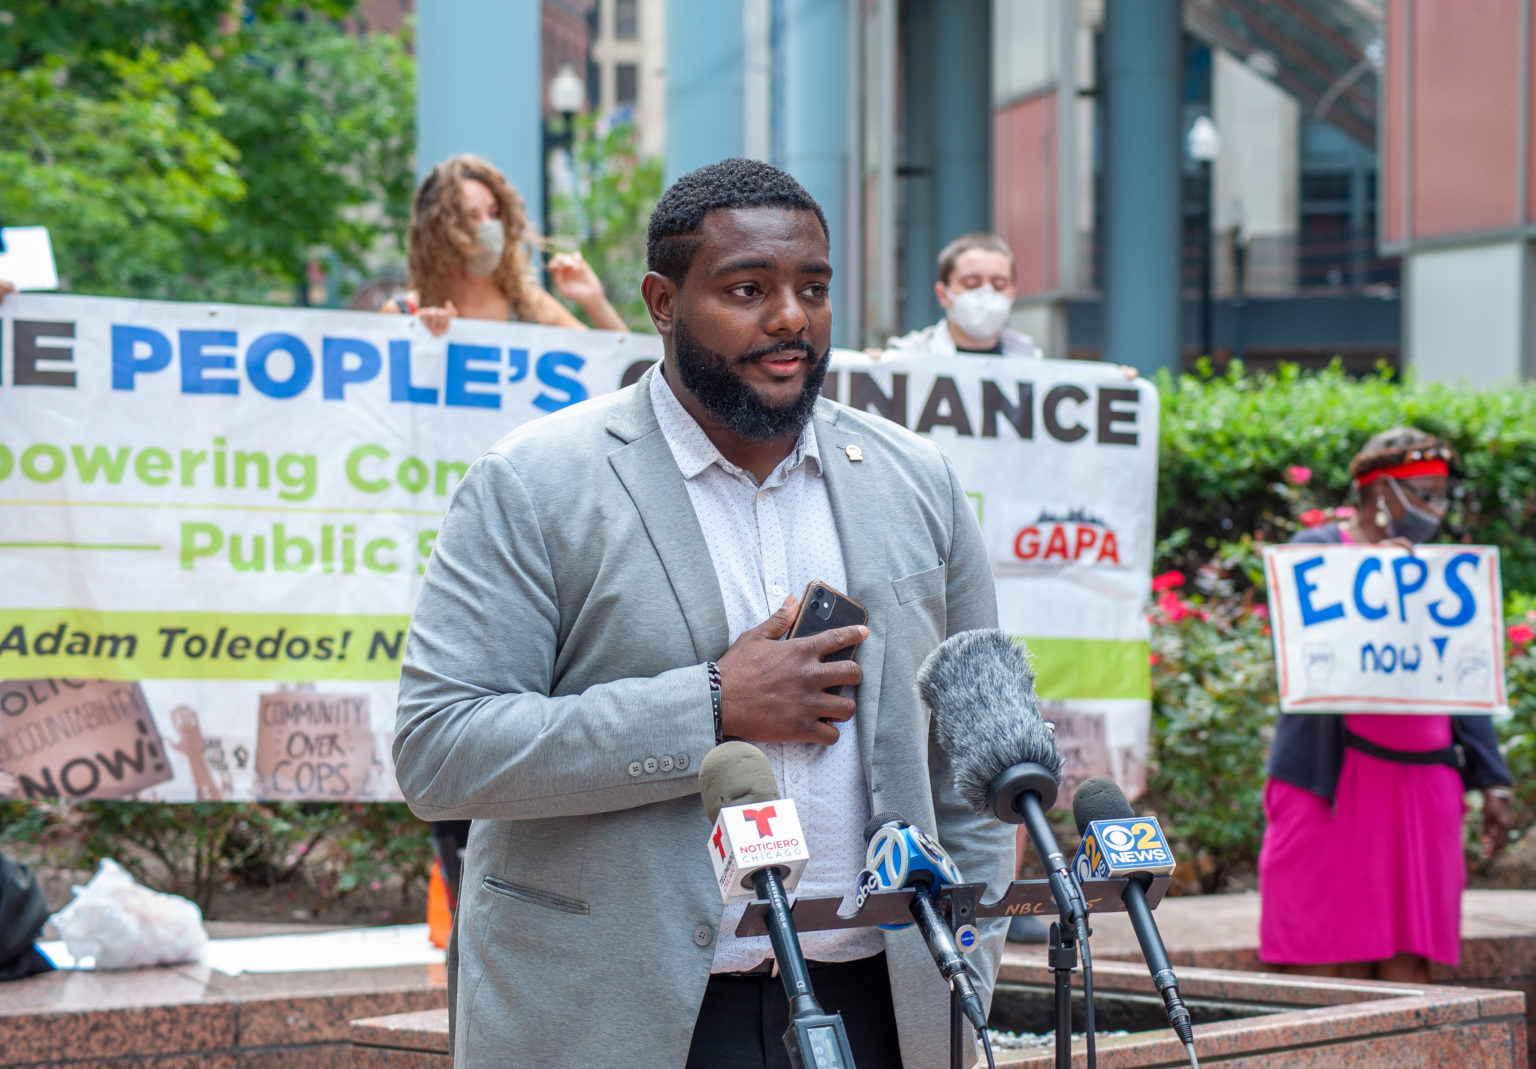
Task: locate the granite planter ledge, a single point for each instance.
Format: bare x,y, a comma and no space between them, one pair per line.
1253,1020
192,1016
1247,1020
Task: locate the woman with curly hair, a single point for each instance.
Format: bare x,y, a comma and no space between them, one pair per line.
1361,871
465,255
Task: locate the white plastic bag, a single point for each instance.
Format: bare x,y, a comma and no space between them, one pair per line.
124,925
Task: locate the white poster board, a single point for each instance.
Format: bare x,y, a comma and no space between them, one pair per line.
1369,629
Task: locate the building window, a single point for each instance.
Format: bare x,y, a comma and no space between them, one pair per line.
626,87
625,24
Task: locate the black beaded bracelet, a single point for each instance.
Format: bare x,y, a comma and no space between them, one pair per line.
716,699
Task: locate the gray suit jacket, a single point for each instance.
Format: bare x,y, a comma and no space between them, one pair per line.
554,691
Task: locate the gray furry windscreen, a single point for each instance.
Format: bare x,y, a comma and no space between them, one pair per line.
980,689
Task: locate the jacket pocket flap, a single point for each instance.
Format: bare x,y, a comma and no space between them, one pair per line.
534,896
918,585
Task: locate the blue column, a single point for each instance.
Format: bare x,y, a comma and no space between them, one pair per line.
811,58
479,89
962,120
947,190
921,106
704,83
1141,184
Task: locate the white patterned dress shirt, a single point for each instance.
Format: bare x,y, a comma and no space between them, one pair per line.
767,542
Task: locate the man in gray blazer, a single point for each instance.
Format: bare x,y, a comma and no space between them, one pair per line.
604,604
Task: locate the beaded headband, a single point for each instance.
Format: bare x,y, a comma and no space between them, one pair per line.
1420,462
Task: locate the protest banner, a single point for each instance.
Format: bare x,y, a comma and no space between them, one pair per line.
312,746
231,509
1059,458
78,737
1377,629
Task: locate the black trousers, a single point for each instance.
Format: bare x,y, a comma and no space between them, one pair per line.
742,1021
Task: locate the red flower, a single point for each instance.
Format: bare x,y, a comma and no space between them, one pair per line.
1172,607
1521,635
1261,612
1152,658
1344,512
1298,475
1168,580
1313,518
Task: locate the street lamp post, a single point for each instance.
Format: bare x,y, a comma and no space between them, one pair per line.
567,96
1204,147
1239,282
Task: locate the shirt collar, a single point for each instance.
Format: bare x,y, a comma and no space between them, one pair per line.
693,450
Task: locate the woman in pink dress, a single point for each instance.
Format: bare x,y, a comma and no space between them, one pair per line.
1361,871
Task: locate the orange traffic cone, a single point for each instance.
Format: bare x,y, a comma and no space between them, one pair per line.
439,915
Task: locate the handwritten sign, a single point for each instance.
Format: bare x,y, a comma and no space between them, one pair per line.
313,746
1082,739
78,738
1379,630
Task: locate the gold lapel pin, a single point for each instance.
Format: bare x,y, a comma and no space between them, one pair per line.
855,454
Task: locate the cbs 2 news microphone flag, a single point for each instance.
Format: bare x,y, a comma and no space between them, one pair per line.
1366,629
214,519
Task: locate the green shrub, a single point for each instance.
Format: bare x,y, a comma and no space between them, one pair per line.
1213,710
1227,442
193,849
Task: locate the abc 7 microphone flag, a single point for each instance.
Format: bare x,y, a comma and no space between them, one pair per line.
748,837
1114,848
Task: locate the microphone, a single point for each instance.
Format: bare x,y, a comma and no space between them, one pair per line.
980,690
753,828
901,855
757,844
1116,842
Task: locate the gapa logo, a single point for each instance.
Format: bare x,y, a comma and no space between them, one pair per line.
1077,536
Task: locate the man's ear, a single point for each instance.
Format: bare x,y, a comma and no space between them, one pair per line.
942,293
660,294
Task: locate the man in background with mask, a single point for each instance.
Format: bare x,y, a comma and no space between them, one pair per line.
976,289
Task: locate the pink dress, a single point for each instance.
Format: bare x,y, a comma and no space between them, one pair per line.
1378,873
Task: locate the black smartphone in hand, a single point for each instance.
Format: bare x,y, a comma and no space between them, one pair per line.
823,608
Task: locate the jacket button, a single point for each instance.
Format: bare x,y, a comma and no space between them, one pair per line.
666,762
650,765
682,762
703,936
634,768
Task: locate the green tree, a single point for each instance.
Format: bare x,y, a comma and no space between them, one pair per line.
123,176
177,151
615,189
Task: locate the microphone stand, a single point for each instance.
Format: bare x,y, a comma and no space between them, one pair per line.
814,1039
1063,959
957,905
1021,794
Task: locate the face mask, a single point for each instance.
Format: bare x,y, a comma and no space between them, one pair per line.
1416,524
981,312
490,240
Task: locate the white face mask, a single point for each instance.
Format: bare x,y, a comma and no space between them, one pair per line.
490,240
980,313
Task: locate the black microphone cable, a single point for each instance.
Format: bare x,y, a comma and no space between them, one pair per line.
980,689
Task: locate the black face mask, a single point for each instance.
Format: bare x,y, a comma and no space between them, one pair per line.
1415,524
713,379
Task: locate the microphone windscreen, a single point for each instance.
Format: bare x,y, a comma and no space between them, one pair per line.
980,690
1099,798
735,773
880,820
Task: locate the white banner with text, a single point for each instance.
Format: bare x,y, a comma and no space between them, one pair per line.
213,522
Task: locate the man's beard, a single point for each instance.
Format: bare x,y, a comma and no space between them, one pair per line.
715,381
